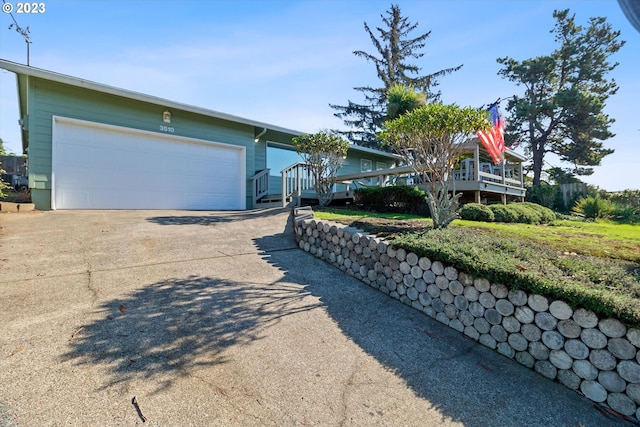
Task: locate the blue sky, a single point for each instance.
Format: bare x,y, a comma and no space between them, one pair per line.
284,62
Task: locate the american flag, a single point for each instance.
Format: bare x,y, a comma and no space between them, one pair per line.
493,139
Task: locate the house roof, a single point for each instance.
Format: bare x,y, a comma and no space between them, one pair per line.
25,70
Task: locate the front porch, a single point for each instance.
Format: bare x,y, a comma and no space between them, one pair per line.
476,177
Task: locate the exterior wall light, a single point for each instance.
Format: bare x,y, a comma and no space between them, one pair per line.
166,116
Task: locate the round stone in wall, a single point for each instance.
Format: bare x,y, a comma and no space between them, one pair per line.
405,268
412,259
612,381
546,321
451,311
424,263
585,318
621,403
446,296
602,360
531,332
471,293
456,287
466,318
518,342
420,285
488,340
504,307
471,332
511,324
538,350
425,299
482,285
482,325
461,302
560,310
560,359
517,297
633,391
442,318
553,340
408,280
416,272
576,349
593,338
524,358
621,348
401,254
437,268
457,325
569,328
451,273
498,333
633,335
546,369
442,282
429,277
630,371
612,328
412,293
487,300
585,370
538,303
506,350
493,316
569,379
437,305
593,391
476,309
524,314
499,291
433,291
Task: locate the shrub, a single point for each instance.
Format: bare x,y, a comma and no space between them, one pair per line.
397,199
525,214
593,207
545,213
476,212
502,213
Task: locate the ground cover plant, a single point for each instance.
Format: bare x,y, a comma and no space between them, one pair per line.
595,265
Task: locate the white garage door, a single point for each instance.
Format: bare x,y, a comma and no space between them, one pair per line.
96,166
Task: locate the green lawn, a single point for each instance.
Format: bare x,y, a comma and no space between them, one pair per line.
595,265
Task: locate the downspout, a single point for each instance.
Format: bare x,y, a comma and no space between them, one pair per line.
261,134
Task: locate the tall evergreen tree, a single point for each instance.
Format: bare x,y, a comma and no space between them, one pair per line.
561,111
395,48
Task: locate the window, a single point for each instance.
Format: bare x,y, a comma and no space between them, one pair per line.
366,165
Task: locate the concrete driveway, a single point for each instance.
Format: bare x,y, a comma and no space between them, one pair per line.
217,319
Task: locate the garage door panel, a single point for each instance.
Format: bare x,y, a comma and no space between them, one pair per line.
104,167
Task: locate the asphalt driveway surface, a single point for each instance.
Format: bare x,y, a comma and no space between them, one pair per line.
169,318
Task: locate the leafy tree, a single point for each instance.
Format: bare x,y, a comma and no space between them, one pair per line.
402,99
429,139
394,47
323,152
561,111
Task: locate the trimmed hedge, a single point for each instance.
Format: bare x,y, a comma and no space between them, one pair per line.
397,199
476,212
525,212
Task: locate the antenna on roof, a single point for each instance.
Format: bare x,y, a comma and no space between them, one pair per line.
24,32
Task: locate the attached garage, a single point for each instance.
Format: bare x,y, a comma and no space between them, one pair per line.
94,146
97,166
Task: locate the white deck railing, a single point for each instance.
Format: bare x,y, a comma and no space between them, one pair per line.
296,179
260,185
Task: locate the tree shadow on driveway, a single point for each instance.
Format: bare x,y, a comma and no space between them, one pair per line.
175,326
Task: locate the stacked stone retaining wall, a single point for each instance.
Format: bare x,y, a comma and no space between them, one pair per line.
598,357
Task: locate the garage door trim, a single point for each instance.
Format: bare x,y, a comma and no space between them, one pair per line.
140,132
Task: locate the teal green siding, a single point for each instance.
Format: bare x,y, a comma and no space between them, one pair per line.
48,99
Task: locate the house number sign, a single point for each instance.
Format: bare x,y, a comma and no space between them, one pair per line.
168,129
